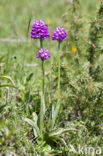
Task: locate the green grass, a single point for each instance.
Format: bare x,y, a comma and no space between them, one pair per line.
15,134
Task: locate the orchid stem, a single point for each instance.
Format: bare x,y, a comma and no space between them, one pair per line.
58,71
41,43
43,77
56,111
42,106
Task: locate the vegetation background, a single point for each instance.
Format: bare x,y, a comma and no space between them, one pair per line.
82,97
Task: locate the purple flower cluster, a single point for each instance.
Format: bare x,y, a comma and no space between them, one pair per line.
43,54
59,34
39,30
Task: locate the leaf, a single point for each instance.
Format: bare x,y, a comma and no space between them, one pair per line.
61,131
55,114
8,85
1,108
1,58
35,118
35,127
29,77
7,78
53,110
55,152
60,139
42,113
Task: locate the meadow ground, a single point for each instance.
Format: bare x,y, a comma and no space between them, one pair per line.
18,60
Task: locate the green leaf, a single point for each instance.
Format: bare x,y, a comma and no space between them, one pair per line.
35,127
61,131
1,58
7,78
8,85
1,108
35,118
56,138
42,113
29,77
55,113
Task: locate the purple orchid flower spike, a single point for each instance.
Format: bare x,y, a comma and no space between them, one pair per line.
43,54
39,30
59,34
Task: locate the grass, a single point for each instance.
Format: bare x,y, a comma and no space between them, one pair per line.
19,62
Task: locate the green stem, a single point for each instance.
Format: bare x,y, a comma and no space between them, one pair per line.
42,106
56,111
43,77
41,43
58,70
